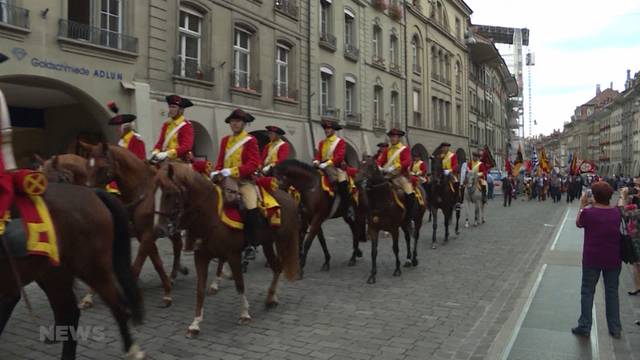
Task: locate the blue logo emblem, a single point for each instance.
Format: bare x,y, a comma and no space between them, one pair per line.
19,53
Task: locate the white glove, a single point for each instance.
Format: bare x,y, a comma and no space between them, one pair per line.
161,156
447,172
266,169
316,163
323,165
214,174
390,169
225,172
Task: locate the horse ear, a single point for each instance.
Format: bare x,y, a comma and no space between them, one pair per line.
54,162
86,146
105,148
38,159
170,171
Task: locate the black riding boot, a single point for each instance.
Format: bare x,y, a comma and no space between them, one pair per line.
410,204
346,205
252,227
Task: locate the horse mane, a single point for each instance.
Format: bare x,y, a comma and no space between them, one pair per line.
66,168
298,164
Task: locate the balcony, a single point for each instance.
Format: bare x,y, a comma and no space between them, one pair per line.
352,119
282,92
351,52
417,69
395,69
242,81
14,17
96,36
287,7
191,69
328,42
417,119
329,113
378,62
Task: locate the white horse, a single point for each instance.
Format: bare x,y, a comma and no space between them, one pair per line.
473,196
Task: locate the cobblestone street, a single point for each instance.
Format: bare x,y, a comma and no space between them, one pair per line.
451,306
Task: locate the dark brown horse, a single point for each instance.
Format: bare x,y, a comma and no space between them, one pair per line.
385,213
190,200
441,195
317,207
135,182
92,249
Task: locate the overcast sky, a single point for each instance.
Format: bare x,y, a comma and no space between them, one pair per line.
577,44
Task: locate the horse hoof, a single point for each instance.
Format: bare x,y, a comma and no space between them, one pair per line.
192,333
325,267
271,304
414,262
371,279
244,320
166,302
352,262
434,246
135,353
184,271
174,275
359,253
397,272
466,225
212,291
408,264
266,265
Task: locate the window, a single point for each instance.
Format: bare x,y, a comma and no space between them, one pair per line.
377,105
349,96
393,50
458,29
441,63
395,108
458,77
447,71
325,18
326,76
434,62
4,11
111,22
241,58
190,42
415,56
349,28
434,111
377,43
282,71
417,109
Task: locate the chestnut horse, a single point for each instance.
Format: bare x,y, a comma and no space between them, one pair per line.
65,168
189,200
134,178
384,213
92,248
316,207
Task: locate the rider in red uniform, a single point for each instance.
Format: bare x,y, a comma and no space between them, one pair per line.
6,181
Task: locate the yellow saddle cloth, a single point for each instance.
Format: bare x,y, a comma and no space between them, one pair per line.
328,188
268,205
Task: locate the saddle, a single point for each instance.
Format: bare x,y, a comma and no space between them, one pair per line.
231,206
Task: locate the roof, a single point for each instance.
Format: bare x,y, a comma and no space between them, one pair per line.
604,97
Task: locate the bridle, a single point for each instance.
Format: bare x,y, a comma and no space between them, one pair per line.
176,213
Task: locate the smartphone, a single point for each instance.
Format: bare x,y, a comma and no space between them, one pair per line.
589,195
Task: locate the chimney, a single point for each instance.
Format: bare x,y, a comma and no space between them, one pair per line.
611,85
597,89
628,74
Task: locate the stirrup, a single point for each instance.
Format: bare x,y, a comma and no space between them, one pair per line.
250,253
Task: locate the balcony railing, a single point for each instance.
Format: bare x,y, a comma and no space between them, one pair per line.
328,41
13,15
395,68
329,112
191,69
417,119
351,52
417,69
97,36
352,119
287,7
281,90
241,80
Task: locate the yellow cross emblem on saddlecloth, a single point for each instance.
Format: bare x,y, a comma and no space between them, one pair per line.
35,184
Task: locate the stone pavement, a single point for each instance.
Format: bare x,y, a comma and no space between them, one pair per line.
452,306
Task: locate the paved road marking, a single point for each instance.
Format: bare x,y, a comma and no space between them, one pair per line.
524,312
564,221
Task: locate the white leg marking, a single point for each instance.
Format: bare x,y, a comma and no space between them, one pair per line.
134,353
195,325
244,308
157,204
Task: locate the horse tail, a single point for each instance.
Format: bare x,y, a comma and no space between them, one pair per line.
287,242
122,255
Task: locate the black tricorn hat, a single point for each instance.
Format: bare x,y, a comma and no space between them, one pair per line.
179,101
239,114
326,123
383,144
3,58
275,129
122,119
444,144
395,131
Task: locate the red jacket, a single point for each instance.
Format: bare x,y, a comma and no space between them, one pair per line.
136,146
283,153
405,159
6,188
185,139
338,153
250,158
423,168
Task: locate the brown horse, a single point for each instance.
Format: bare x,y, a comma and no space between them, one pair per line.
440,195
134,178
384,213
317,206
65,168
190,200
93,249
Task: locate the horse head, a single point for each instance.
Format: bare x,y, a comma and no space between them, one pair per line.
170,198
100,164
295,173
437,174
369,173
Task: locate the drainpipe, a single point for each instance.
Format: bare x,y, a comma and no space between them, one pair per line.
406,76
309,120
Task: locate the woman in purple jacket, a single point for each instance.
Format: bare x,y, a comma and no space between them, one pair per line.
600,254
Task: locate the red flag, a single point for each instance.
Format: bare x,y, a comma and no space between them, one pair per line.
507,166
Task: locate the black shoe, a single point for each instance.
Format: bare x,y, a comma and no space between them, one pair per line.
634,293
579,332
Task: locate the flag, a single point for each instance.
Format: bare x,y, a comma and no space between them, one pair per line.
487,158
534,158
507,166
573,164
587,167
517,163
544,162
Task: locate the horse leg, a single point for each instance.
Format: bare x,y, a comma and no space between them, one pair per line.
314,228
476,214
396,249
87,300
447,218
325,250
435,228
373,235
215,284
235,263
407,239
416,236
7,304
176,240
276,268
149,247
202,269
458,218
59,290
356,232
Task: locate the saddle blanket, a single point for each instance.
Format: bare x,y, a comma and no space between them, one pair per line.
328,187
33,233
268,205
